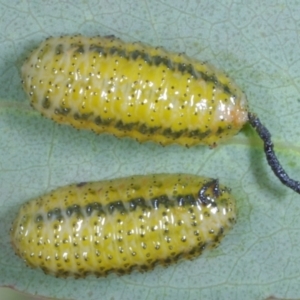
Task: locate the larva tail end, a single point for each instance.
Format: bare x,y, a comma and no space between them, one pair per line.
272,159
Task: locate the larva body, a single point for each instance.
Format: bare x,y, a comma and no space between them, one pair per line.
131,89
122,224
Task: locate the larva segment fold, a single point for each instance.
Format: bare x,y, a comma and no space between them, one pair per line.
121,225
131,89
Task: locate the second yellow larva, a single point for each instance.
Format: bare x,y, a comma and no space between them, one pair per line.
123,224
131,89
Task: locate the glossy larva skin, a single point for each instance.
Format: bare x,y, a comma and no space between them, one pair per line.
120,225
131,89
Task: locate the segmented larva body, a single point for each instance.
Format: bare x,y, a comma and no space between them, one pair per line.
122,224
131,89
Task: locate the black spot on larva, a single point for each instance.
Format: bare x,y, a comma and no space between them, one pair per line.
221,130
167,261
177,134
227,89
198,133
202,246
221,232
154,263
95,207
186,200
76,209
125,127
117,205
208,199
172,134
46,270
69,211
194,133
162,200
89,209
59,49
139,202
190,69
122,53
144,129
84,117
98,120
211,78
157,60
178,256
39,218
54,214
167,132
135,54
62,111
144,268
194,251
169,64
46,102
146,57
181,67
63,274
49,214
79,49
73,209
57,213
98,49
232,220
81,184
107,121
113,50
120,271
151,60
131,268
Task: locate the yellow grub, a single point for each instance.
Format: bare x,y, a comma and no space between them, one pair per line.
122,224
131,89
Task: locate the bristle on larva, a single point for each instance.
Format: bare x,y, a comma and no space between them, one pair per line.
121,225
131,89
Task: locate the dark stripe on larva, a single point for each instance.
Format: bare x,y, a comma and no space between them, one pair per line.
119,206
140,127
153,60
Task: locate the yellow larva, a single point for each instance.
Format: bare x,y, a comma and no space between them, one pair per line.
147,93
123,224
130,89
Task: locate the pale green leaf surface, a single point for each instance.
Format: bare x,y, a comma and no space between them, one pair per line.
257,43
